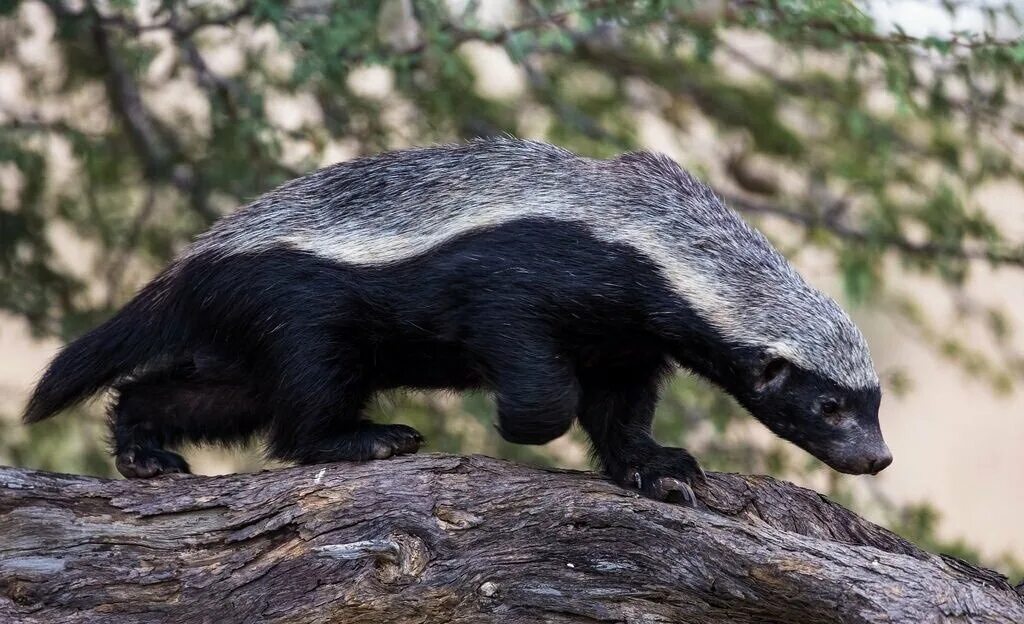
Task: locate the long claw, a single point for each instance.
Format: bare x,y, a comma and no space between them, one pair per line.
673,490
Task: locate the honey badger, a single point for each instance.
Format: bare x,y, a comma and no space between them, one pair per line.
568,287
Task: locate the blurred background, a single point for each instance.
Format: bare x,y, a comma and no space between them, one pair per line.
878,144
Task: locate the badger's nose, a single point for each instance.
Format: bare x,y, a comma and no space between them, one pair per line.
878,464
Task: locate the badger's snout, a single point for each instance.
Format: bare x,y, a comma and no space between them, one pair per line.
880,462
857,459
872,464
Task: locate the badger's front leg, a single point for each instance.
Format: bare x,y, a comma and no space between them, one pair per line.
617,410
535,388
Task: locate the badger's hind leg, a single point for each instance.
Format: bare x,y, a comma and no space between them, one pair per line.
139,432
337,431
183,403
319,410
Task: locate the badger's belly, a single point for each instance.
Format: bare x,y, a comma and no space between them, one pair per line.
414,363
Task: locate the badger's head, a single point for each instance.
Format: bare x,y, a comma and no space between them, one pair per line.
813,383
752,325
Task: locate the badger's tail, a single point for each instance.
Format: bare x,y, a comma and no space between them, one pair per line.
140,331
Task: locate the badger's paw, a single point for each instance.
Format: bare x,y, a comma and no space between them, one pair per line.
367,441
144,463
383,441
669,475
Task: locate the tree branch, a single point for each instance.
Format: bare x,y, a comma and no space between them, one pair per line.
157,149
457,539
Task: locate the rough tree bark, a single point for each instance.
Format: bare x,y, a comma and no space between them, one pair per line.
438,538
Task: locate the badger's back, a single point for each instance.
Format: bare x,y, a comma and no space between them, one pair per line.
388,208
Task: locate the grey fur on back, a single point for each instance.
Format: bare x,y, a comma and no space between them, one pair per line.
396,205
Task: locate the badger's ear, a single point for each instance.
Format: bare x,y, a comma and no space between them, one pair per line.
773,374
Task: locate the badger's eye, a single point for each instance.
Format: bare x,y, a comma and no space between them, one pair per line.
829,407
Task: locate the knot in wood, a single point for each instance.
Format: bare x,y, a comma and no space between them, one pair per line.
411,562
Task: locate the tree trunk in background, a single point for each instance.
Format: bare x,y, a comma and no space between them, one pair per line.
438,538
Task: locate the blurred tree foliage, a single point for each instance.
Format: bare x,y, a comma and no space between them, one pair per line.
126,128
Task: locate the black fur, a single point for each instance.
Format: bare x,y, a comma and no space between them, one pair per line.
125,342
560,326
